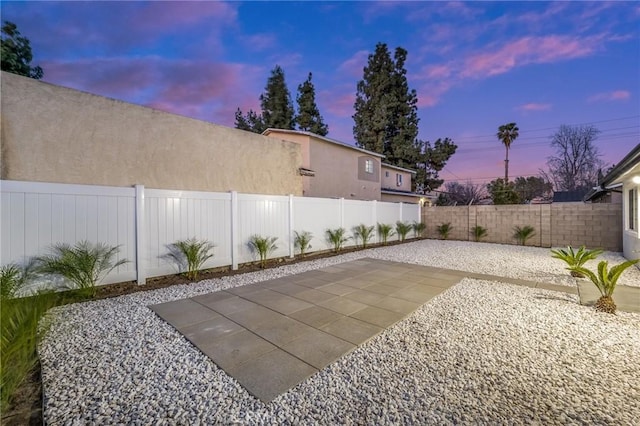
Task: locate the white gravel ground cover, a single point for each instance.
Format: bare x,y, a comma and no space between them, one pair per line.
482,352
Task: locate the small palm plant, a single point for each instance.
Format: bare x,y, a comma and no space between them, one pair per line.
523,234
192,254
575,259
478,232
606,282
418,228
263,246
402,229
337,237
302,240
444,230
13,278
364,233
385,231
84,264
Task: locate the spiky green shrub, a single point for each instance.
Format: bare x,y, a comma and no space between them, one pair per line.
402,229
302,240
191,254
84,264
264,246
418,228
363,233
444,230
478,233
337,237
523,234
606,282
575,259
20,332
384,232
14,278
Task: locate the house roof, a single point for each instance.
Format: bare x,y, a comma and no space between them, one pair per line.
322,138
631,160
397,192
569,196
391,166
612,179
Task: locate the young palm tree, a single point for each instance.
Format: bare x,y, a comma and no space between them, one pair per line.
385,231
302,240
575,259
524,233
478,232
263,246
403,229
444,230
337,237
84,264
418,228
364,233
507,133
192,254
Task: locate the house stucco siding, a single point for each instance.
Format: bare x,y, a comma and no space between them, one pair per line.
55,134
391,181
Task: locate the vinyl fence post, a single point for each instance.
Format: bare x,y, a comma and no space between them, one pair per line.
234,230
140,243
374,216
401,212
341,212
291,224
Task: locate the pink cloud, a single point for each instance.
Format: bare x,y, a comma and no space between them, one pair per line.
338,102
616,95
209,91
528,50
534,107
355,64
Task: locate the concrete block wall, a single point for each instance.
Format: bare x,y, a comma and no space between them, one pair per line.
594,225
560,224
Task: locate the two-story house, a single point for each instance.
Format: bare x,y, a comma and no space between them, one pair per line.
331,168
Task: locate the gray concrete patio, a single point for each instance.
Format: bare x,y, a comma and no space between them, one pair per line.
272,335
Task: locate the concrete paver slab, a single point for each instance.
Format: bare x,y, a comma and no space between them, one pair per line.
352,330
271,374
209,330
342,305
184,312
273,334
316,316
318,349
377,316
234,349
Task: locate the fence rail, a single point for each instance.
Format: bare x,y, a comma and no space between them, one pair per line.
143,222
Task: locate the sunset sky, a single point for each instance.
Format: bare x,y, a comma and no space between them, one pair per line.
474,65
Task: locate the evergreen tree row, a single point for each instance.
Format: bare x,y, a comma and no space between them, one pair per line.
277,108
385,119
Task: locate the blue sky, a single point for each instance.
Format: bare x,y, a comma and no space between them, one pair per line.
475,65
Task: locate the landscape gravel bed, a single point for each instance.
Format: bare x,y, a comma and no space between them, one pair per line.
481,352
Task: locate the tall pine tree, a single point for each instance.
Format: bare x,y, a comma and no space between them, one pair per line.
431,160
277,108
309,118
386,118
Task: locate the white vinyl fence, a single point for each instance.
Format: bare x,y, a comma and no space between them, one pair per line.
144,222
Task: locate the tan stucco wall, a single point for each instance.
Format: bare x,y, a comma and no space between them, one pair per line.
390,181
55,134
336,168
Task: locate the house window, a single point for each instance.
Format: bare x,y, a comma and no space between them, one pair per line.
633,210
386,174
368,166
398,179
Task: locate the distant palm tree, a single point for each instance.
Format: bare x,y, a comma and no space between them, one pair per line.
507,133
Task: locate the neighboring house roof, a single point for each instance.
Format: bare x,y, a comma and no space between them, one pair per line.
398,192
569,196
322,138
612,180
391,166
631,160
